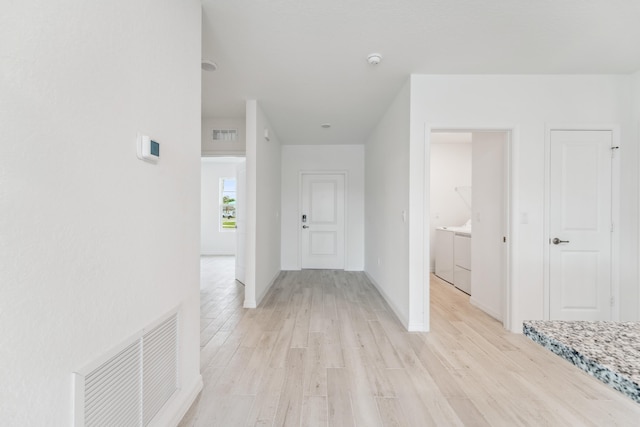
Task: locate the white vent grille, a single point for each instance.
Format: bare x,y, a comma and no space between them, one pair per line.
225,134
111,391
132,386
159,367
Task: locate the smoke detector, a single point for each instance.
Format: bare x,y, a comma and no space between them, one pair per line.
374,58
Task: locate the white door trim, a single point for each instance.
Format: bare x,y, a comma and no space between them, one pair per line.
509,293
345,174
615,211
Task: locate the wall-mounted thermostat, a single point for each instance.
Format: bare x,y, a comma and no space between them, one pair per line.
148,149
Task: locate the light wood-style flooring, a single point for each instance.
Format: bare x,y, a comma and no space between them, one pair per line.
324,349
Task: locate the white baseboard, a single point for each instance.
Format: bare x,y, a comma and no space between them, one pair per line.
416,327
395,310
486,309
260,297
183,407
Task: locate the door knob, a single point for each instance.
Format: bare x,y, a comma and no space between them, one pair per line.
305,226
557,241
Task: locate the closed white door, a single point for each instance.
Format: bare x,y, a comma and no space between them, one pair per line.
322,221
241,228
580,225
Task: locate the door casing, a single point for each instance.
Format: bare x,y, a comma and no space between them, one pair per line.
508,294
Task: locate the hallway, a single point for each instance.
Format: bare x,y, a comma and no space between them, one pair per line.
323,348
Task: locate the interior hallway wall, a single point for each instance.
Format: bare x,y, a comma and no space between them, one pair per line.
387,207
297,158
263,206
630,306
529,103
95,244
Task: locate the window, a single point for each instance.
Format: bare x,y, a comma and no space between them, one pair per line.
227,204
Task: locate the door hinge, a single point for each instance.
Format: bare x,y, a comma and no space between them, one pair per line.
613,150
612,301
504,239
612,227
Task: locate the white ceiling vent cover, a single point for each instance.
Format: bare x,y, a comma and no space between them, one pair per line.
130,385
225,134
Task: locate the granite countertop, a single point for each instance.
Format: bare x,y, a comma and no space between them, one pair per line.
609,351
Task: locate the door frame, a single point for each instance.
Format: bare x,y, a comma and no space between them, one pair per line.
345,175
508,294
615,211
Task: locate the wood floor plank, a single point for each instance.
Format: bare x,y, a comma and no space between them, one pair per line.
391,412
417,414
339,408
333,349
263,412
249,380
385,348
324,348
229,410
290,405
314,412
315,377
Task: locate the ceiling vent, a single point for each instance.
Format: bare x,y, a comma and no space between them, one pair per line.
225,134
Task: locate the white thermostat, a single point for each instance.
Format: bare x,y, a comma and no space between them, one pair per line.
148,149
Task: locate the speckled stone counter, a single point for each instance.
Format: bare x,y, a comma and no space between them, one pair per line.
609,351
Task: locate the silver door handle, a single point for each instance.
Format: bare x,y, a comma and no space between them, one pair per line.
557,241
305,226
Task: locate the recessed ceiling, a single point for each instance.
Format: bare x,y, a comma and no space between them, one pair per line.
303,60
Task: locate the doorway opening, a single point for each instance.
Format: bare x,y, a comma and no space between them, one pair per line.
469,211
222,201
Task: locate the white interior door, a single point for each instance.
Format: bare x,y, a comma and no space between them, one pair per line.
580,225
241,229
489,220
322,221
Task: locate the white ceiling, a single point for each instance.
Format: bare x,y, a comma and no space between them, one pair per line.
305,60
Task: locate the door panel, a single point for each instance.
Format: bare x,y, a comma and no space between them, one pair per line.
580,217
489,222
322,238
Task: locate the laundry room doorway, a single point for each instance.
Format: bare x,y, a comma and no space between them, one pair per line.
468,219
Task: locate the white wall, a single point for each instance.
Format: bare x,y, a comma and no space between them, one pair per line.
263,206
529,103
386,197
628,305
95,244
297,158
223,148
214,241
450,168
